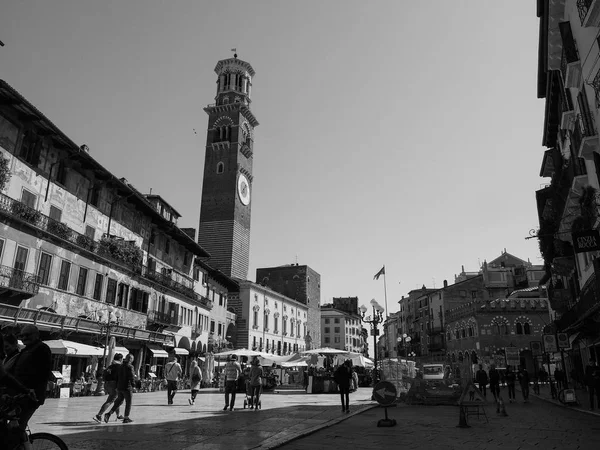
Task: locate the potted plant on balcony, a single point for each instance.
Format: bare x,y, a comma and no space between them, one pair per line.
22,211
59,229
4,172
85,242
121,250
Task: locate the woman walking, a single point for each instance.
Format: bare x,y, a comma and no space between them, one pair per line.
195,380
256,376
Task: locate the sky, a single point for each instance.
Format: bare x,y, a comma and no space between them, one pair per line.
398,133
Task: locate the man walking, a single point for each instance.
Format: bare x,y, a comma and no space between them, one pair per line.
111,374
592,380
232,372
125,384
524,382
482,379
172,373
494,382
32,367
343,378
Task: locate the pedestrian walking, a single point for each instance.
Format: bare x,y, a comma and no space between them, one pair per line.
172,373
232,372
481,378
511,379
524,382
195,380
125,385
592,381
343,377
559,378
111,375
494,376
256,376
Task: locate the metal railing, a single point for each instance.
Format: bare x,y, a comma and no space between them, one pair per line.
167,281
162,317
18,280
24,213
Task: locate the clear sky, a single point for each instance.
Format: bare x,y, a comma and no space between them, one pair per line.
404,133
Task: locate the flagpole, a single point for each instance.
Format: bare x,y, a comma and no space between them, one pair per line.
385,293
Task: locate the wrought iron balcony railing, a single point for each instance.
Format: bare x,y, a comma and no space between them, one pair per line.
24,213
18,280
167,281
164,318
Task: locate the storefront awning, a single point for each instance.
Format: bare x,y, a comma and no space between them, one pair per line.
181,351
157,352
70,348
122,350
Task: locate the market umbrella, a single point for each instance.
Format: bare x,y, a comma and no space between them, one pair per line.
238,352
70,348
325,351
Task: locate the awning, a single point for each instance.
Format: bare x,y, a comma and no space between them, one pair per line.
181,351
573,338
122,350
70,348
158,352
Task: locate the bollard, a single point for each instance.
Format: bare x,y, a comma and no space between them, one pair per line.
462,418
501,409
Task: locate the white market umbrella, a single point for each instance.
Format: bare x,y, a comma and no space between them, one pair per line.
238,352
325,351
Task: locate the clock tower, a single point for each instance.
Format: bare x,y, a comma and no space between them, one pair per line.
224,229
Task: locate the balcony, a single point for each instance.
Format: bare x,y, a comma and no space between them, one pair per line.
570,65
17,283
113,249
196,332
589,12
163,318
585,136
230,317
166,281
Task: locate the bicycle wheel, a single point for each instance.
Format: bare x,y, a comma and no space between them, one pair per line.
47,441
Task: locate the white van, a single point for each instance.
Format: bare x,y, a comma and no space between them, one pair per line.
433,371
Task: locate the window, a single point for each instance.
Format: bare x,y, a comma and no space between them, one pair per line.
167,246
220,167
9,134
98,287
95,195
152,237
44,267
327,330
123,295
336,339
336,320
63,279
111,291
219,328
519,328
326,320
196,274
255,318
30,148
81,281
473,294
1,240
275,325
337,330
266,321
90,232
55,213
527,329
212,326
28,198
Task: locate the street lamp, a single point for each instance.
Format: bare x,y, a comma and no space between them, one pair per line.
106,318
374,321
402,342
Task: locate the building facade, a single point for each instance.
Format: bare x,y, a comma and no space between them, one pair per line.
227,183
300,283
84,254
341,325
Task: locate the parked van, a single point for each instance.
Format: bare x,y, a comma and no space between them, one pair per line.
433,371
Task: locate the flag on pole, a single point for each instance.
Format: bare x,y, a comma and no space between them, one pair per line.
378,274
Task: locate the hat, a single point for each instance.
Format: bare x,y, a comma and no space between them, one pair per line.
233,357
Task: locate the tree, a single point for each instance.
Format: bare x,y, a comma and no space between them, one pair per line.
4,172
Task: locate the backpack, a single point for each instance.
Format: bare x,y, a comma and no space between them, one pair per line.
337,375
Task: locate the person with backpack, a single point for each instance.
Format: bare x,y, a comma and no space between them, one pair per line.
111,374
172,373
343,377
195,380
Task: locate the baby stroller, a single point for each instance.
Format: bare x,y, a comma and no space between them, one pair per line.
248,399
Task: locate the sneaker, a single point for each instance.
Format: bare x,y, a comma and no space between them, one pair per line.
120,417
127,420
106,417
231,409
98,418
251,407
225,409
190,401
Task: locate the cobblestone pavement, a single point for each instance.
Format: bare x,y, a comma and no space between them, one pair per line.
534,425
284,416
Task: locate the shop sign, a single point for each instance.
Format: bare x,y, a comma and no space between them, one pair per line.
563,340
512,356
536,348
586,241
550,343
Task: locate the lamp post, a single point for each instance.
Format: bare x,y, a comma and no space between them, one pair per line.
402,341
374,321
106,318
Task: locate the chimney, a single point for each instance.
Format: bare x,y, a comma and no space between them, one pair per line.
445,283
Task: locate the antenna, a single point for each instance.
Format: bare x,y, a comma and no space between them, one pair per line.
433,282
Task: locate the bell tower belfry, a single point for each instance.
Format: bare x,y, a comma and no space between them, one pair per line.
224,229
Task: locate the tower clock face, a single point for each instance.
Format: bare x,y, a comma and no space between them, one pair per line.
243,189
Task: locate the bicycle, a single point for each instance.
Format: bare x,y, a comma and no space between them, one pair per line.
11,438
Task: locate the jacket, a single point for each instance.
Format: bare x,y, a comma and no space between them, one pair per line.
481,377
494,376
33,367
232,371
126,377
111,374
342,376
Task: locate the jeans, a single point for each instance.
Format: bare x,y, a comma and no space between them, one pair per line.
525,390
194,393
230,387
482,388
345,396
255,391
495,390
124,394
111,390
171,390
511,391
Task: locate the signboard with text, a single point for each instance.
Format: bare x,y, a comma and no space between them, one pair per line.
550,343
586,241
512,356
